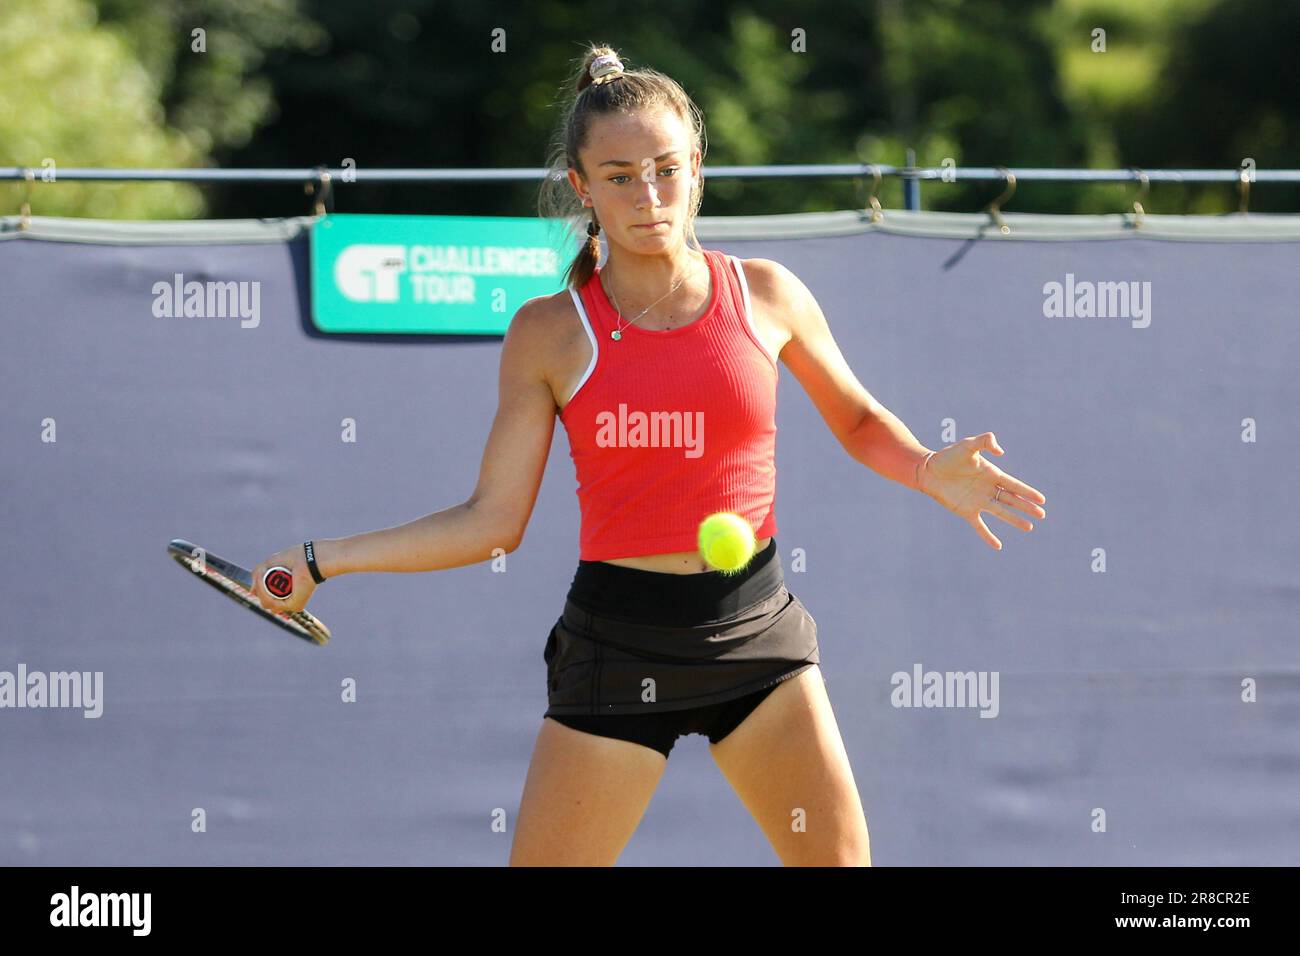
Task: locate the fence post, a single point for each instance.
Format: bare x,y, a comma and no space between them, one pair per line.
911,184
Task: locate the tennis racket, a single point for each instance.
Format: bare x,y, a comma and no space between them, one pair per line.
236,583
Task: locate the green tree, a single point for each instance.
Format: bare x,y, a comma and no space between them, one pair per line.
129,83
73,94
206,59
819,82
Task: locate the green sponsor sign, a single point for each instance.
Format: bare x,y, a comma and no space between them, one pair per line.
450,275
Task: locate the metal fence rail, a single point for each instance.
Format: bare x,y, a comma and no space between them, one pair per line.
320,179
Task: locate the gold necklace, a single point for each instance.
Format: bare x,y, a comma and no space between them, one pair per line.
618,311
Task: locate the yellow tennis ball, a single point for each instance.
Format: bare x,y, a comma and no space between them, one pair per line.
726,541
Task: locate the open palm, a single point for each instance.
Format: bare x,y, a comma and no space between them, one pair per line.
967,483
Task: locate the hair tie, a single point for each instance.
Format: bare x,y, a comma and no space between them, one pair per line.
606,65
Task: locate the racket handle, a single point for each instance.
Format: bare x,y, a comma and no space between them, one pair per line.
278,582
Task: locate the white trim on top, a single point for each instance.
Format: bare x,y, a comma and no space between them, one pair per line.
749,317
595,347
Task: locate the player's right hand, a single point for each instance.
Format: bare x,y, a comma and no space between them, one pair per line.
303,584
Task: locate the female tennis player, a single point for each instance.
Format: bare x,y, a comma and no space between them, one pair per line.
662,366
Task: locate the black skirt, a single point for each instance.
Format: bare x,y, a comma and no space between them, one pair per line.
634,642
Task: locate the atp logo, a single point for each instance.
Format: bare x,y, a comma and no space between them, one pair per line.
370,273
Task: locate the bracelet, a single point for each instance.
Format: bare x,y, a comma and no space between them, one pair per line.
311,562
919,465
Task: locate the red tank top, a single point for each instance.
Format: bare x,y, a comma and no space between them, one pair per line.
667,427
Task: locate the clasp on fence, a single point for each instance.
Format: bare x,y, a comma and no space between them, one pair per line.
1138,211
877,213
994,209
323,189
25,210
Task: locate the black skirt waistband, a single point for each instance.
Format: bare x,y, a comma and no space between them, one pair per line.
675,600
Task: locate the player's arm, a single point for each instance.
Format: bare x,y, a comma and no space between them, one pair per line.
510,474
866,429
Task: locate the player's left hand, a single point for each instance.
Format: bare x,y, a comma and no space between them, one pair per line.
966,483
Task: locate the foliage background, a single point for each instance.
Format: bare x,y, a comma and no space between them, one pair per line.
1182,83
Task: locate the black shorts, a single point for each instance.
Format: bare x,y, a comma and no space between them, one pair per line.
648,656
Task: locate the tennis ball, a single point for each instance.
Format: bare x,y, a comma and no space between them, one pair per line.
726,541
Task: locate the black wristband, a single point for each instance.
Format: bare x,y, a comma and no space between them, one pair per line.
311,562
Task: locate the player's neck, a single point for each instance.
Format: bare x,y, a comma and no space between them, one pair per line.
638,281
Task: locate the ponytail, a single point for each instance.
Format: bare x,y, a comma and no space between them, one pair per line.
583,266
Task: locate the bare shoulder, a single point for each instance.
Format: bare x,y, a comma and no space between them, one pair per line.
809,349
781,302
546,333
772,281
542,320
558,306
556,324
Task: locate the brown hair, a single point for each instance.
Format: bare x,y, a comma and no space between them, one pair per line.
629,91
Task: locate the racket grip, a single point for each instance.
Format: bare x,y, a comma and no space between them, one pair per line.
278,582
